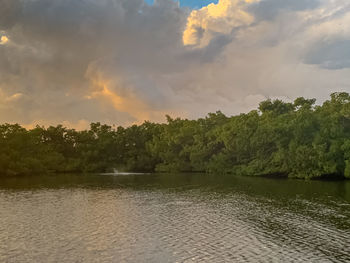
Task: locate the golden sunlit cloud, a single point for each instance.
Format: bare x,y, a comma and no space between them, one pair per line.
3,40
215,18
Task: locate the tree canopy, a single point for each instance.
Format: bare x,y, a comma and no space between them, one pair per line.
298,139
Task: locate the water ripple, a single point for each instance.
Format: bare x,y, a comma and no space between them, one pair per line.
126,225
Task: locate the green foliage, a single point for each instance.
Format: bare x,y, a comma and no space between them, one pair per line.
296,139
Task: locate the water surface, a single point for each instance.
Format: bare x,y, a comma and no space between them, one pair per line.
173,218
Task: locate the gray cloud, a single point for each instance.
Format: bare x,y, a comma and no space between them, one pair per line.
270,9
333,55
9,13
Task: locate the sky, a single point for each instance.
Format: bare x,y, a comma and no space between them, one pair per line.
125,61
194,4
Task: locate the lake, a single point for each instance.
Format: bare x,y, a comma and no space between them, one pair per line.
173,218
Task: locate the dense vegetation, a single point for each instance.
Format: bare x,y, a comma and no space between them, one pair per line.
296,139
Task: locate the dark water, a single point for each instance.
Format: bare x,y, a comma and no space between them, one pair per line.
173,218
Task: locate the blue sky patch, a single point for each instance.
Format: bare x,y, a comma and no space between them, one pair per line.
195,4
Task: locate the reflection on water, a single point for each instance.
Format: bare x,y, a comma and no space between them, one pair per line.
173,218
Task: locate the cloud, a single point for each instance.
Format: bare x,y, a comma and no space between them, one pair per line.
214,19
9,13
123,100
330,40
270,9
57,47
334,54
124,61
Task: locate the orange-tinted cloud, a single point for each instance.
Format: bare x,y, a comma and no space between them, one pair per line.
129,103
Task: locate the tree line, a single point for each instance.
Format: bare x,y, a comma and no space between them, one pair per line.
298,139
